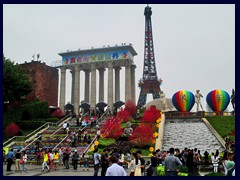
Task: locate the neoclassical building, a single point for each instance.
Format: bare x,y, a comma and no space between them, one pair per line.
90,61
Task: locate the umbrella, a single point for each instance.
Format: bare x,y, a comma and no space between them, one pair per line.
85,105
101,105
68,106
118,104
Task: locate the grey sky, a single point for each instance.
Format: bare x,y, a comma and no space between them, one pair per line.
194,44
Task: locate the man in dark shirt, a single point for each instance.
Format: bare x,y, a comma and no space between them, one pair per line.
75,159
154,163
10,156
66,158
139,154
104,162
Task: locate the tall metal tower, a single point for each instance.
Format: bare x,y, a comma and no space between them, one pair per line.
149,83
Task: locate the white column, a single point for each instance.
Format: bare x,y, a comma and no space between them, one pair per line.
133,83
101,84
110,85
76,89
127,82
117,83
86,93
93,86
62,88
73,82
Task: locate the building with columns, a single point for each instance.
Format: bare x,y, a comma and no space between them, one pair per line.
93,61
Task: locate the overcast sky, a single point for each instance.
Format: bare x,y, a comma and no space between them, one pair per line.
194,44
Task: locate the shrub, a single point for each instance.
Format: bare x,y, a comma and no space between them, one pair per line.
124,115
142,135
12,130
151,115
36,109
30,125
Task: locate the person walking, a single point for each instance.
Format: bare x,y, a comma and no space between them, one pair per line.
154,163
66,158
17,160
45,161
10,156
171,163
104,162
215,160
38,158
50,159
85,162
75,158
139,154
24,158
114,169
134,164
96,157
55,160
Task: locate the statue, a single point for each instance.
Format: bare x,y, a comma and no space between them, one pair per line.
128,130
198,97
163,100
233,99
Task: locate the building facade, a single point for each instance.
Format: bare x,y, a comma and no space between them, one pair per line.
45,82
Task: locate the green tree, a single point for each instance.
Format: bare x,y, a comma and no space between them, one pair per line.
16,82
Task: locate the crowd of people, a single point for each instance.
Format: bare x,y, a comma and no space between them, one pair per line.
115,163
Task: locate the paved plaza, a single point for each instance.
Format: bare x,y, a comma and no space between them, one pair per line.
35,170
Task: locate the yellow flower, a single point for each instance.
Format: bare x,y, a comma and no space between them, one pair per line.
150,155
92,148
101,135
158,120
157,125
155,134
151,149
214,114
96,143
205,113
153,141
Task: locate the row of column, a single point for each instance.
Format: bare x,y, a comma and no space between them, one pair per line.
75,93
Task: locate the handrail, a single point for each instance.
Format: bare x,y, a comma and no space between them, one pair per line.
60,142
88,147
31,143
27,136
61,120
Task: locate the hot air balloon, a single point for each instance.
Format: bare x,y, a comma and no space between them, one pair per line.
218,100
183,100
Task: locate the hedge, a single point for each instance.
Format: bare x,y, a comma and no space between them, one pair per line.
33,110
34,124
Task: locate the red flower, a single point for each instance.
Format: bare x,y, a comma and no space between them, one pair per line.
12,130
151,115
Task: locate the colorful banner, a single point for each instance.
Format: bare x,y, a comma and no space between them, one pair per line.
84,58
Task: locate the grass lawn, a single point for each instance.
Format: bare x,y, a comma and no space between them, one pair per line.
223,125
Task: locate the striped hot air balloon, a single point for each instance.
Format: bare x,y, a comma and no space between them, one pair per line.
183,100
218,100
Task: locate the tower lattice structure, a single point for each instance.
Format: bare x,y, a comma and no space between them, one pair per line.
149,83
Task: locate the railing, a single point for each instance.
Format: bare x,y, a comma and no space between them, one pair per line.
88,147
30,143
24,138
60,142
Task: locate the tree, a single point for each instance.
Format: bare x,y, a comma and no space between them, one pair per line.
16,82
12,130
131,108
142,135
112,128
124,115
151,115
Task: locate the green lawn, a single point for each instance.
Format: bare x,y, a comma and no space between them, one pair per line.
223,125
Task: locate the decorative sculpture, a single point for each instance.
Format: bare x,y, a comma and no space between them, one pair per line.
163,100
198,97
128,130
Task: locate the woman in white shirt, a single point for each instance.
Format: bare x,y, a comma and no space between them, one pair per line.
135,163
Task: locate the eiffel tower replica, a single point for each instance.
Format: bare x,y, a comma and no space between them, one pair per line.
149,83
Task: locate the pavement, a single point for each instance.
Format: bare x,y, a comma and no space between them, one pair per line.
35,170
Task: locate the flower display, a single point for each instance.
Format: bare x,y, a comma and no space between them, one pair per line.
157,125
96,143
151,149
155,134
150,154
153,141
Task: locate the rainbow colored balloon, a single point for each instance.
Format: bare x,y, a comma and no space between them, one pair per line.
218,100
183,100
